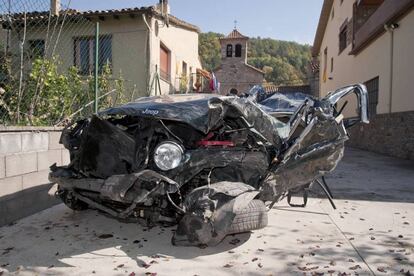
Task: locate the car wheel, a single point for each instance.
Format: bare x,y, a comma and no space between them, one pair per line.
252,217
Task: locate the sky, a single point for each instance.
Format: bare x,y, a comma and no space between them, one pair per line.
292,20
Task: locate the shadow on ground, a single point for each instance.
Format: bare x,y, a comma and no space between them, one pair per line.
66,234
368,176
370,232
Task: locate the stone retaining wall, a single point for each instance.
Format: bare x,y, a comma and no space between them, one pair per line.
26,153
389,134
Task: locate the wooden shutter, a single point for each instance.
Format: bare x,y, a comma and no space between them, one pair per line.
164,63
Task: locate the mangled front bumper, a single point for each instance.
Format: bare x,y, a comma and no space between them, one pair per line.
116,188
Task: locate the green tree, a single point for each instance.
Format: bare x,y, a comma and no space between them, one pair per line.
50,97
209,50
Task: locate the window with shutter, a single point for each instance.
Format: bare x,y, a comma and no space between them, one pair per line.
373,89
84,53
164,63
343,36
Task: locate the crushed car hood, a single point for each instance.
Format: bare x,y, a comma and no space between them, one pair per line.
196,110
204,112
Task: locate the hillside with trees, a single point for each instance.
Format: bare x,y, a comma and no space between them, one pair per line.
284,62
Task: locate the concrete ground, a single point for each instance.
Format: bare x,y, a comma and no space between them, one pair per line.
371,233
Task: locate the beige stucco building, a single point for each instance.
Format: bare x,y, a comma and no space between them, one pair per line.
137,43
372,42
234,73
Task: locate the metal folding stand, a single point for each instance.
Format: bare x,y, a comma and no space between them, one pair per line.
326,190
323,184
305,199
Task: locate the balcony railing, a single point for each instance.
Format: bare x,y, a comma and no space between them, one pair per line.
386,13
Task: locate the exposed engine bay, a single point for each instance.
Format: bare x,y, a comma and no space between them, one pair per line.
208,163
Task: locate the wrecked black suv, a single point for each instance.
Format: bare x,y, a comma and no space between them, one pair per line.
206,162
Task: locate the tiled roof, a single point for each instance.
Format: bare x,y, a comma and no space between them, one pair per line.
235,34
39,15
44,15
272,88
254,68
180,23
220,67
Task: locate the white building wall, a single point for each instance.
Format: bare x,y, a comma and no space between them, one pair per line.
373,61
183,45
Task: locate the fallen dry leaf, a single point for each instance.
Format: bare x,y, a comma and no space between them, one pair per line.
405,273
304,268
7,250
355,267
234,241
381,269
105,236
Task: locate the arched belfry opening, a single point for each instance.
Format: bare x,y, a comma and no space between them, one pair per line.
238,50
229,50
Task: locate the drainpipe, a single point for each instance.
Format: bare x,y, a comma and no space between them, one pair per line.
148,53
390,28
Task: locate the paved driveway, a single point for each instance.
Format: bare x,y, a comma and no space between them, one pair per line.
371,232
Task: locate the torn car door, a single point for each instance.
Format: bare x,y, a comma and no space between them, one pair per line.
319,147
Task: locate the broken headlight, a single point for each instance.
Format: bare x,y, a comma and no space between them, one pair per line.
168,155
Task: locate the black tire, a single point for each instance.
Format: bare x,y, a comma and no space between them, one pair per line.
253,217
